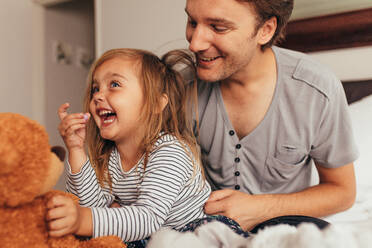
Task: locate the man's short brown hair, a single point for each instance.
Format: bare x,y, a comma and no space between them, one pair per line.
265,9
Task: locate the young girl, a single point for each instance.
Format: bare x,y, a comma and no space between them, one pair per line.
142,152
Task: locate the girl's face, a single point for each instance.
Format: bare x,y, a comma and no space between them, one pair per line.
117,99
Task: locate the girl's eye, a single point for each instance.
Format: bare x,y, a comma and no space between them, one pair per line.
95,89
114,84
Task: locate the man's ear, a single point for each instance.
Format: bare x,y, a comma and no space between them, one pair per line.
163,102
267,31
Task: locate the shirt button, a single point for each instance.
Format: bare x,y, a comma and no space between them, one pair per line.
237,173
231,132
237,187
237,160
238,146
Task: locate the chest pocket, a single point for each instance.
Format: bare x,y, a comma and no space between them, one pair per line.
284,168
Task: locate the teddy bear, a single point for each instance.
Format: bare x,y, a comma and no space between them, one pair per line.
29,168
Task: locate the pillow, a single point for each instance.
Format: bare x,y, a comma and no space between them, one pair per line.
361,117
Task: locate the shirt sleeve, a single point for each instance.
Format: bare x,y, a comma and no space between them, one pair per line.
166,174
334,144
85,186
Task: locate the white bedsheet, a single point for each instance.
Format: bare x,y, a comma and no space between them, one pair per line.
215,234
361,211
349,229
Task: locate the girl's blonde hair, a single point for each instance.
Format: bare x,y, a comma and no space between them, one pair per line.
158,77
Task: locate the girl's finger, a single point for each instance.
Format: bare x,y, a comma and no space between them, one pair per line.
67,124
57,201
60,232
56,213
72,129
76,117
62,110
58,224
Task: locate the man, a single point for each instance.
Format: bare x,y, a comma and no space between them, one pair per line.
265,115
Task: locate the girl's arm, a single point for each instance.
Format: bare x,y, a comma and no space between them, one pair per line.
81,183
133,222
165,196
72,129
85,186
164,184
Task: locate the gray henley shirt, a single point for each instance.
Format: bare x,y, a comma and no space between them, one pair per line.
307,121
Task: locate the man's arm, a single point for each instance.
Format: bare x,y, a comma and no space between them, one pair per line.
335,192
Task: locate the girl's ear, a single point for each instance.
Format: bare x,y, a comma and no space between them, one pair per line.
267,31
163,102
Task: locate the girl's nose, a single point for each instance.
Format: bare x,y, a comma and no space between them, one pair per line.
198,39
98,96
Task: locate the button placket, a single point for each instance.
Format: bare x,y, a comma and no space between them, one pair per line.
236,163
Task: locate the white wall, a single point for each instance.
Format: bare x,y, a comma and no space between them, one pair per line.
348,64
306,8
32,83
72,24
153,25
17,58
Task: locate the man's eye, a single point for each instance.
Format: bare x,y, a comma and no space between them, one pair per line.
219,28
191,23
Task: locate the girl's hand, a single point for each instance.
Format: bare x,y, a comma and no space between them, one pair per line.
72,128
63,216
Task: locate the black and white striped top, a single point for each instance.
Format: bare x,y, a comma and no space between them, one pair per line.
164,195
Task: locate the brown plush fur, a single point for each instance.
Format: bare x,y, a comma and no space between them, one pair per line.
26,171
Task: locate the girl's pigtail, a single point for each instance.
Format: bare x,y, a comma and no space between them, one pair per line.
180,74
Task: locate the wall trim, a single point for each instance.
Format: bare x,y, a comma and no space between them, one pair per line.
98,27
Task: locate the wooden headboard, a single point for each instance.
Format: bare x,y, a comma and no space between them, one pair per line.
344,30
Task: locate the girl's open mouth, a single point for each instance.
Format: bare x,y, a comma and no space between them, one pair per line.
107,116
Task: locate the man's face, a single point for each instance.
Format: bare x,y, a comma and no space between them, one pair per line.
222,34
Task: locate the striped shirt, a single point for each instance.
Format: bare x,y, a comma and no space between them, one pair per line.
166,194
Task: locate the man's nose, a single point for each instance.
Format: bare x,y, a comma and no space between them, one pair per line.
198,40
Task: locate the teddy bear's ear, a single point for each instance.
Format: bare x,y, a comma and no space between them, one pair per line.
24,159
